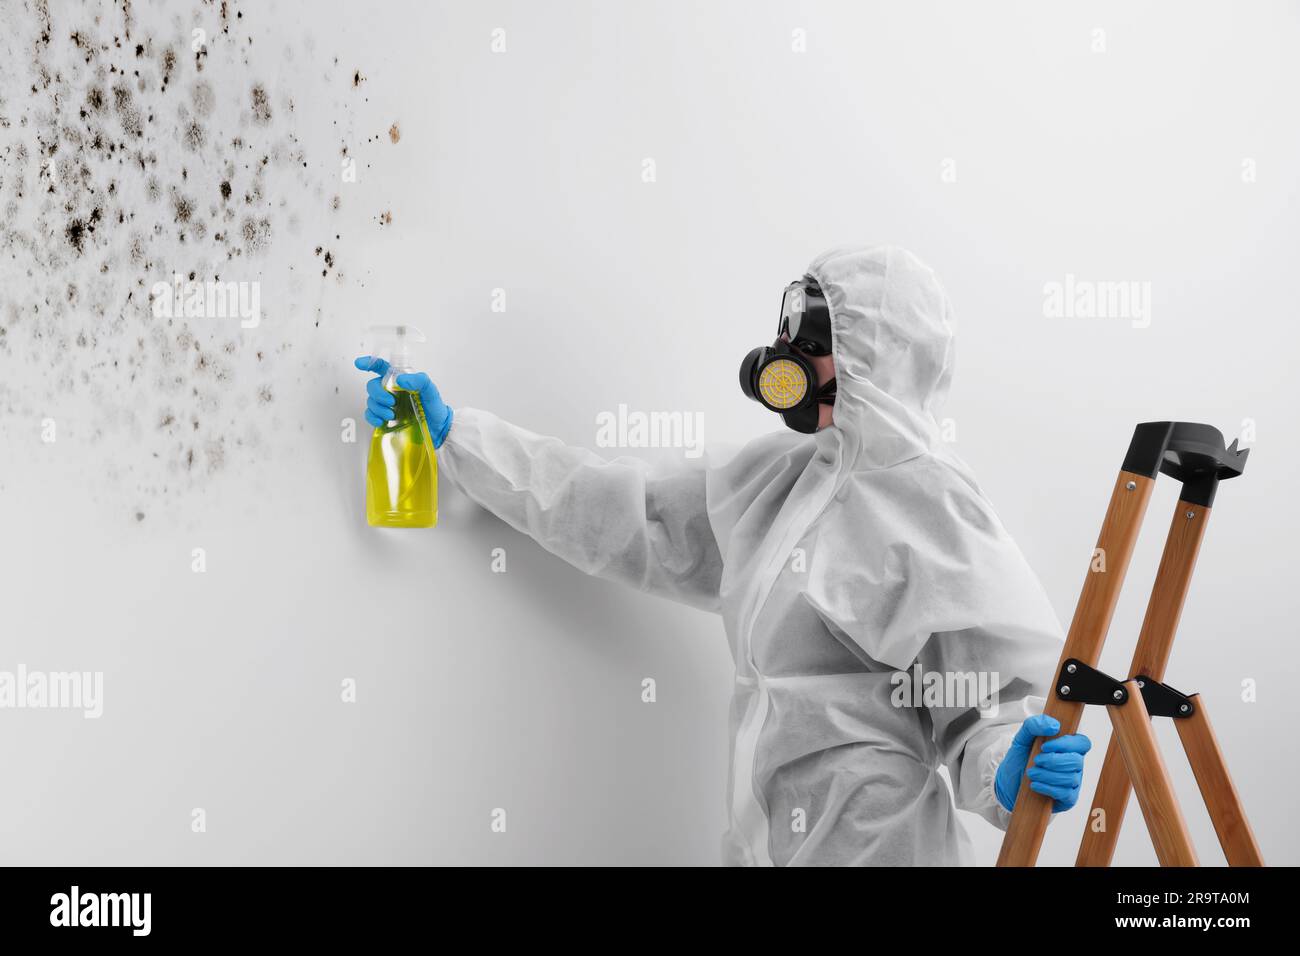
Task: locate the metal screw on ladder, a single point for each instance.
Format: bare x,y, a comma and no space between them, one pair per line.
1118,695
1065,690
1191,514
1071,668
1131,486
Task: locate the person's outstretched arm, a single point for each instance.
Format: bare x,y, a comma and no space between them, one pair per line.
617,520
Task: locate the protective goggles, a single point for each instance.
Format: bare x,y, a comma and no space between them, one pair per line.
805,317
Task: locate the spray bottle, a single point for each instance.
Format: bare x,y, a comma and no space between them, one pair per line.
402,473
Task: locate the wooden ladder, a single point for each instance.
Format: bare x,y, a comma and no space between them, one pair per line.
1194,455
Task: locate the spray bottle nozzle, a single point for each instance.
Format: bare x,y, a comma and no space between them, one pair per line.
393,342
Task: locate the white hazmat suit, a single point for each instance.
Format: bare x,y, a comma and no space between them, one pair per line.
837,560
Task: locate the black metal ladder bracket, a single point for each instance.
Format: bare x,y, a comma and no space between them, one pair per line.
1080,683
1161,700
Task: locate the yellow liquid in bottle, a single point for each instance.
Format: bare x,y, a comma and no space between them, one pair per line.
402,473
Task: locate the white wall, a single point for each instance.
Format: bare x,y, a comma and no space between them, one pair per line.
522,171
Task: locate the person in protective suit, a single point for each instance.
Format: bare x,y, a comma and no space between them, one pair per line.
903,569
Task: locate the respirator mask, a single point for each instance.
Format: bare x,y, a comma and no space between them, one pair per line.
779,377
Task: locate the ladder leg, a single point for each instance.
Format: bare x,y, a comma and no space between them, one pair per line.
1101,830
1221,797
1092,616
1150,777
1159,626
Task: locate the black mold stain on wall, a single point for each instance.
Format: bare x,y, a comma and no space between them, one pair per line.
132,155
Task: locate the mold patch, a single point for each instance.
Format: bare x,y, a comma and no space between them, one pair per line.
142,179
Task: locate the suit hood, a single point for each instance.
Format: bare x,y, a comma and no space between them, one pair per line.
892,342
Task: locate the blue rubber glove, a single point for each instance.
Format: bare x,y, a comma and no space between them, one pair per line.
380,401
1057,771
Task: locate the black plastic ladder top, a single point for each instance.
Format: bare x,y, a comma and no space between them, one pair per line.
1189,452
